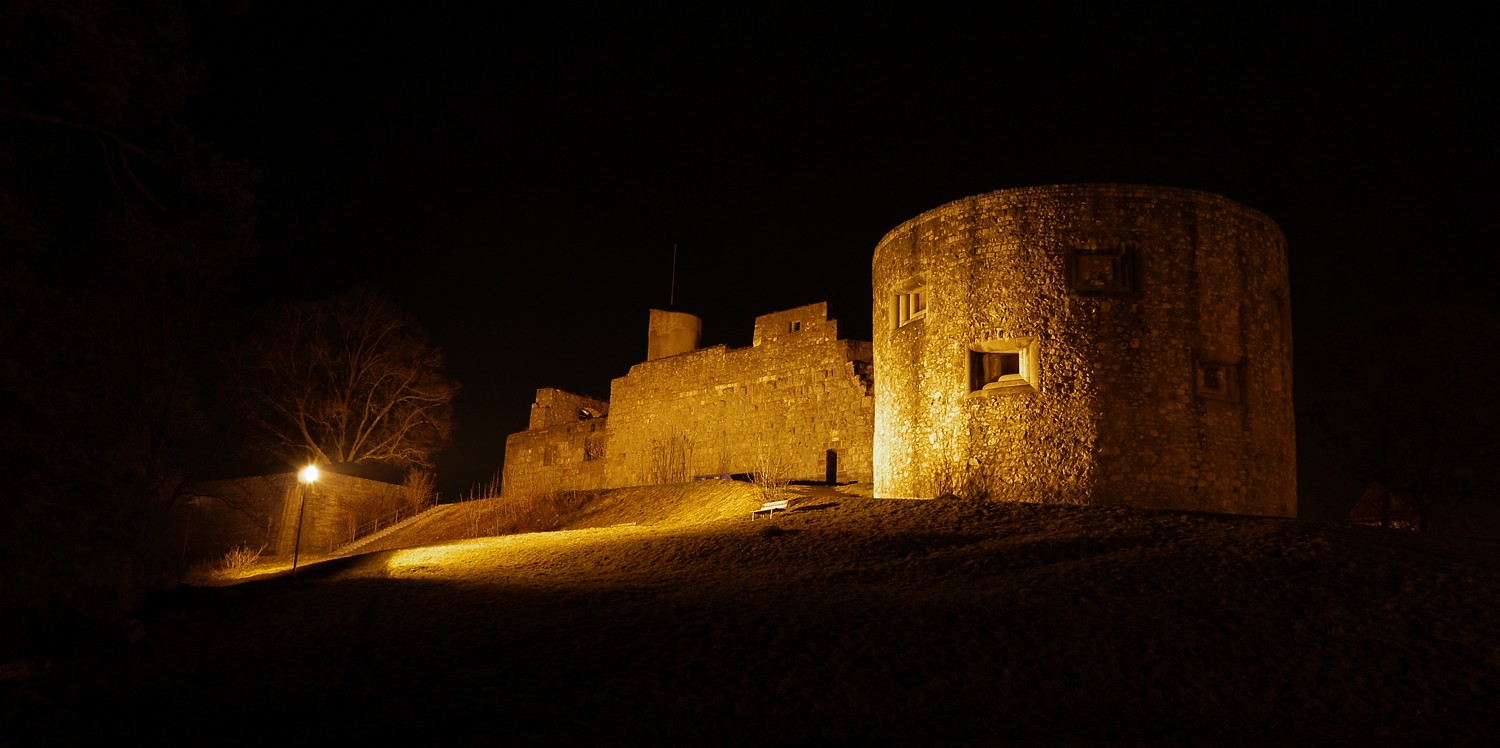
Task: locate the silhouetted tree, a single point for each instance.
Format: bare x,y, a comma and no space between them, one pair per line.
1409,403
120,232
349,379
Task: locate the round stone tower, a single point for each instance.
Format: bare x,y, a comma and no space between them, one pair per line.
671,333
1089,343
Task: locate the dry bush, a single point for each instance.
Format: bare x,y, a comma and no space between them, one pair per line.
670,458
485,513
235,560
772,475
418,490
493,516
240,557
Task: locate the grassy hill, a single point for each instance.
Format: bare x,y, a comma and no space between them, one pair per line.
688,503
666,617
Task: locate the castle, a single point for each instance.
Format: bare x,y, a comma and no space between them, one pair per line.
1091,343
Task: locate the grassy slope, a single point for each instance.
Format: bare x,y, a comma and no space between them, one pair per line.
849,621
690,503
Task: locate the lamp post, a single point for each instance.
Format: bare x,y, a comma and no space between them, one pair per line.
307,477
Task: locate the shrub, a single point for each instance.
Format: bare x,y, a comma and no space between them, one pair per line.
239,558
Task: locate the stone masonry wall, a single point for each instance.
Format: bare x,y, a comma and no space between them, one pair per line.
793,401
260,512
563,457
796,396
1140,339
554,407
336,505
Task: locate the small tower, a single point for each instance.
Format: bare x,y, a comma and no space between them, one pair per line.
672,333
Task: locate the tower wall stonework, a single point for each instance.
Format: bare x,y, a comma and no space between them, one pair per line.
1107,344
671,333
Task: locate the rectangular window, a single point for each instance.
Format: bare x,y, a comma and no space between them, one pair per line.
1103,272
1215,377
1003,365
793,326
998,367
911,305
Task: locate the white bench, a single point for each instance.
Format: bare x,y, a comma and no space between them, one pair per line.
769,508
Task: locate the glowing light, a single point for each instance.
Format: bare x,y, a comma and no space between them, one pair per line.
308,476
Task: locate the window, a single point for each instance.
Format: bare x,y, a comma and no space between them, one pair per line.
1006,365
793,326
1215,377
1102,272
911,305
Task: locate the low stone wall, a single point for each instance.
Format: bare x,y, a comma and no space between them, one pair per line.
260,512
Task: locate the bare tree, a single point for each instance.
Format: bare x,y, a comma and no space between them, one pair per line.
419,489
348,379
122,235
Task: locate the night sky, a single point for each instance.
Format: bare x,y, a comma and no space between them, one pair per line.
521,182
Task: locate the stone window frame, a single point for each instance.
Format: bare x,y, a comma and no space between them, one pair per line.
1217,376
1018,358
794,327
909,303
1121,261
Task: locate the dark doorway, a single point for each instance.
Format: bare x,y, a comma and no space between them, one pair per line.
831,475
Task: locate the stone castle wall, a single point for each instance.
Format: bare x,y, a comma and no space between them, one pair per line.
260,512
1093,343
554,407
561,457
793,403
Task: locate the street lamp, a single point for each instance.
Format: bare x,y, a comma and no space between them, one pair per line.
307,477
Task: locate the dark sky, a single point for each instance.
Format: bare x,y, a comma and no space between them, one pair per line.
519,180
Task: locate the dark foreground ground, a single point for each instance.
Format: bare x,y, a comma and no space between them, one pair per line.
849,621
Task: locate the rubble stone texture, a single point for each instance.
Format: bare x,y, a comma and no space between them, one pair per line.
1149,346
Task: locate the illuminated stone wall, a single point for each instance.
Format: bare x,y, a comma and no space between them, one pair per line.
1107,344
554,407
794,402
562,457
261,512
